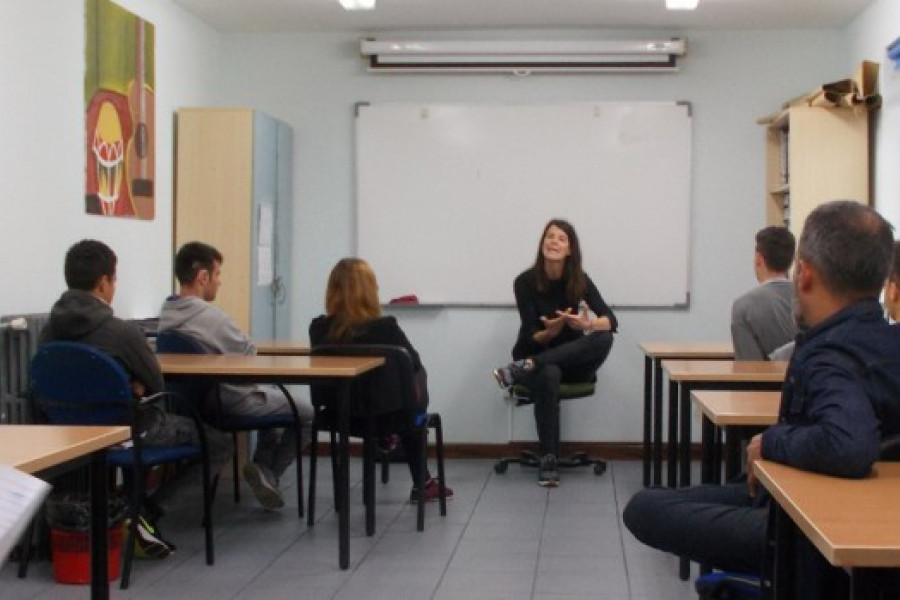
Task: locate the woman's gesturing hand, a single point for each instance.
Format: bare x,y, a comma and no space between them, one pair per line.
581,320
553,326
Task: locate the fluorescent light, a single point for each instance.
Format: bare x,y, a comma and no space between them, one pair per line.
681,4
358,4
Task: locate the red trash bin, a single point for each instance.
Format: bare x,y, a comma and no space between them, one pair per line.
71,552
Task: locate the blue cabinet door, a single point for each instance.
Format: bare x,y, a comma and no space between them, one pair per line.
263,219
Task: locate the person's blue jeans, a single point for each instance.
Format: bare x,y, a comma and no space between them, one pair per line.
716,525
722,527
575,361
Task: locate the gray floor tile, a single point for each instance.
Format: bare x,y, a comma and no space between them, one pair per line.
504,538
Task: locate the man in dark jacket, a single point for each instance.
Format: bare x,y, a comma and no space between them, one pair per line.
83,314
840,398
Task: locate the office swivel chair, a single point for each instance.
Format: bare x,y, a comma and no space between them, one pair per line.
521,395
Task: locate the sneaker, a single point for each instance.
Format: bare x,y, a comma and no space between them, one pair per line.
432,492
512,373
548,471
263,487
389,443
148,543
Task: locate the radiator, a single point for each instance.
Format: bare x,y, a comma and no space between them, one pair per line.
18,343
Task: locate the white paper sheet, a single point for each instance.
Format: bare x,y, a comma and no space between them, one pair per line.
20,497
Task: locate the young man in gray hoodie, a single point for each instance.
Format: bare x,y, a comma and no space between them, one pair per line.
83,314
198,268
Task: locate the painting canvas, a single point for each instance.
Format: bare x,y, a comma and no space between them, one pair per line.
119,84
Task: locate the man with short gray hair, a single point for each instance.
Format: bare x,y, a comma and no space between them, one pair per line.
840,398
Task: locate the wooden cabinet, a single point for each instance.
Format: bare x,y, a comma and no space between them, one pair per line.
814,154
233,189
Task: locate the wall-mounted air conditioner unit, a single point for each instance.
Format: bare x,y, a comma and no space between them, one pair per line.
522,57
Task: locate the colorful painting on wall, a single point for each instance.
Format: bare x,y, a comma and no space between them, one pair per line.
119,84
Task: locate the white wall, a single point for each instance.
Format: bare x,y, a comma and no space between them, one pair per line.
868,37
313,80
42,150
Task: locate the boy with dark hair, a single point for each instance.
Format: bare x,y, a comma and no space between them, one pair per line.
83,314
198,268
762,319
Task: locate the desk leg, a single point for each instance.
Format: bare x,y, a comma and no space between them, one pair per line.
783,529
649,417
867,583
657,421
672,454
733,456
344,474
710,463
99,533
684,441
708,442
683,392
717,456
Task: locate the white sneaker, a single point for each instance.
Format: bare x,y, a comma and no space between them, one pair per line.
267,494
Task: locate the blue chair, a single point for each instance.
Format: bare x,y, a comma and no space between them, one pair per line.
77,384
394,381
171,341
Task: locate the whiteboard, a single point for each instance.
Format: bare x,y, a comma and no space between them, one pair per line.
452,198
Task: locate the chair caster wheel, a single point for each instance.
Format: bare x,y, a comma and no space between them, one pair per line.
500,467
599,469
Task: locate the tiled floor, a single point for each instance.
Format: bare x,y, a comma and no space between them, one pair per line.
503,538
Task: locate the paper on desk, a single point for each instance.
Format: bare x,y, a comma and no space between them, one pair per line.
20,497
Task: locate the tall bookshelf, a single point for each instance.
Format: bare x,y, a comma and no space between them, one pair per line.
814,154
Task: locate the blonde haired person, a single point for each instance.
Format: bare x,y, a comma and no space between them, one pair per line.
353,316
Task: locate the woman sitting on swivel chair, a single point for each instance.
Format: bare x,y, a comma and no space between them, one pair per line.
559,341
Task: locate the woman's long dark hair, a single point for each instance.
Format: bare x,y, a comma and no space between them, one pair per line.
573,275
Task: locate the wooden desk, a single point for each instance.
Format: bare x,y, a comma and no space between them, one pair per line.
736,415
37,448
854,523
339,370
654,354
688,375
281,347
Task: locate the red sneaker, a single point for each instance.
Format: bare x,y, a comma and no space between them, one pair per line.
432,491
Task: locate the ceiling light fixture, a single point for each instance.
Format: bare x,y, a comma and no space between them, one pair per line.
519,56
681,4
358,4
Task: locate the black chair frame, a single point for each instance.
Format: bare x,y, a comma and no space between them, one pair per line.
176,342
521,395
399,368
76,384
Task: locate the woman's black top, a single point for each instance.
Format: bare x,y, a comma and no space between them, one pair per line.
533,305
382,330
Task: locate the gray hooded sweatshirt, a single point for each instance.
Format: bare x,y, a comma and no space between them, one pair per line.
215,331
